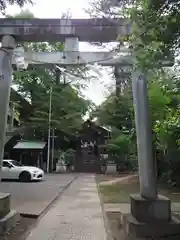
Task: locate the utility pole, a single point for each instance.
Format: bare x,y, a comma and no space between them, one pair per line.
49,129
52,155
11,124
118,80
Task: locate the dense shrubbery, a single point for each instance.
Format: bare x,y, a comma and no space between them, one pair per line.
120,149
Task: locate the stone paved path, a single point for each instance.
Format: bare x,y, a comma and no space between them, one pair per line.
76,216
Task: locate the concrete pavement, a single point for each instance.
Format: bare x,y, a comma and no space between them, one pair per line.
33,198
76,216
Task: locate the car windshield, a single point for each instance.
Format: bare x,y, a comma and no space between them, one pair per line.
16,164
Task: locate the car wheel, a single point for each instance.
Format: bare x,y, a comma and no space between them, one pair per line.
25,177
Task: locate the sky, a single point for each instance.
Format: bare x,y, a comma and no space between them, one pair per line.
54,9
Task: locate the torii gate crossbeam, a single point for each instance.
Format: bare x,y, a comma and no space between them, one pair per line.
53,30
75,58
81,58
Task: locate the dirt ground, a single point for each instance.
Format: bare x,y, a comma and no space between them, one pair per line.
106,177
115,189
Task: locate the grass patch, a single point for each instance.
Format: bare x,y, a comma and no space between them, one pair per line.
119,192
172,193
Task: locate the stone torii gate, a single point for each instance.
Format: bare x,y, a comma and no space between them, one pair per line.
12,31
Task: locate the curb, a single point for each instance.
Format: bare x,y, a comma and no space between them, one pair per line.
105,218
44,211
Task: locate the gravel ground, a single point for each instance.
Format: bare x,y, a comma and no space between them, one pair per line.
21,230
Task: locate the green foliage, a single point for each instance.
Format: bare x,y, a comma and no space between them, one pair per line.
67,109
120,149
5,3
23,14
120,145
114,111
155,27
155,35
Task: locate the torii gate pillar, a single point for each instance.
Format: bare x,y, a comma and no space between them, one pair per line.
8,44
8,217
71,44
150,214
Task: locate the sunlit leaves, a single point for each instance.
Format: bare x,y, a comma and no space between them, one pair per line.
5,3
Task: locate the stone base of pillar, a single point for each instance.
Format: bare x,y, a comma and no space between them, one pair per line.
8,218
148,211
150,218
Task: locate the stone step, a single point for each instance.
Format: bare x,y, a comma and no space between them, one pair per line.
154,231
8,222
4,204
125,207
8,218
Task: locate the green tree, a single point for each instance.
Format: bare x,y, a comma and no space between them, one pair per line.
67,112
115,112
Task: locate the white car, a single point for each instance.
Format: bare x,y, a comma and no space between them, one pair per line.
12,169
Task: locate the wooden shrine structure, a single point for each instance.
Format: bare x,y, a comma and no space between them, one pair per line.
88,147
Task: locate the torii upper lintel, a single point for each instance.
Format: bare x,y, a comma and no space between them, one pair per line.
54,30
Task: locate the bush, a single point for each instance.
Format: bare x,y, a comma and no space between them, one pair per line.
123,152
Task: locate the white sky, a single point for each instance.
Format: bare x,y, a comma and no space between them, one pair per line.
54,9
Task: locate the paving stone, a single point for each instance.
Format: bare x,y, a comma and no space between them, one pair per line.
74,216
125,207
117,207
175,207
